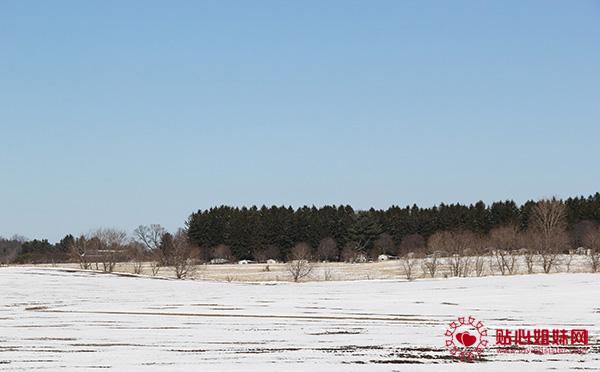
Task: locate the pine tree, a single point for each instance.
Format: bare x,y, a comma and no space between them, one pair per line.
364,231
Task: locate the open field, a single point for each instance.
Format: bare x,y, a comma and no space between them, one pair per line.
334,271
54,319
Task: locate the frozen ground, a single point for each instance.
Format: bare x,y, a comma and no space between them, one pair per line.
392,269
59,320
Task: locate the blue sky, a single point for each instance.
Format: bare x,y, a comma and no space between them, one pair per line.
120,113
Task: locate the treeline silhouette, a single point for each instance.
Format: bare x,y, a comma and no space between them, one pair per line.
253,233
328,233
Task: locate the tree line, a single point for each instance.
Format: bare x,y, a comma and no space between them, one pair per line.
336,232
538,231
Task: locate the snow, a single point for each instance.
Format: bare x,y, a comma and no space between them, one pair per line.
69,320
387,269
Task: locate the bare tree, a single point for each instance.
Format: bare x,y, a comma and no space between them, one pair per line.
505,242
263,254
223,252
591,241
150,236
479,265
409,262
183,262
459,245
327,274
580,230
479,250
548,226
259,255
412,243
351,252
569,259
384,244
272,252
111,247
430,263
157,261
530,253
137,256
19,238
327,249
299,265
94,249
9,249
79,251
180,253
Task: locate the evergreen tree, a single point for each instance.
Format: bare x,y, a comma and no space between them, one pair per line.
254,230
364,231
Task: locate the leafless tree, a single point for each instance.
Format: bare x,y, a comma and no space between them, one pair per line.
111,246
430,263
505,242
529,254
79,251
259,255
156,257
327,274
548,227
137,256
263,254
181,253
222,251
568,259
479,265
467,251
156,261
461,262
94,249
19,238
591,241
412,243
384,244
580,230
299,264
351,252
480,250
270,252
409,261
459,245
9,249
327,249
273,252
150,236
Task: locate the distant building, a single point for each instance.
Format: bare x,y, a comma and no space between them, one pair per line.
386,257
218,261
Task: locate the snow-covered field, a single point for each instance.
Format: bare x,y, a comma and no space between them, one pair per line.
58,320
333,271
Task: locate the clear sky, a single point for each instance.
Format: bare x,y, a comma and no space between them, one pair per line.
120,113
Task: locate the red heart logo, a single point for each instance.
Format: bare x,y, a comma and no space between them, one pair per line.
466,339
